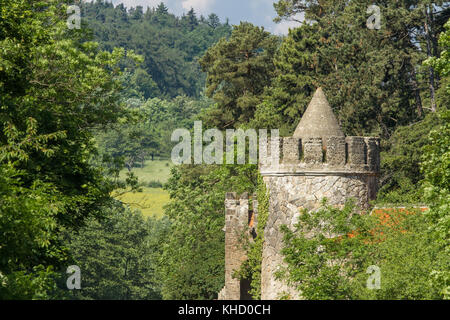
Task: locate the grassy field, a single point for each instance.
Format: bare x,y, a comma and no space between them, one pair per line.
151,200
158,170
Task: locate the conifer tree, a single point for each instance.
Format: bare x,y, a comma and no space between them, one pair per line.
238,71
369,75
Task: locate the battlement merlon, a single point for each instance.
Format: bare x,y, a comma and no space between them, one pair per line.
236,211
339,155
239,214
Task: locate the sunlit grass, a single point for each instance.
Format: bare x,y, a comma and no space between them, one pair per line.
151,200
158,170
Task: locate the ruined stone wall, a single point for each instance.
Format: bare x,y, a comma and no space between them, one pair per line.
240,222
298,176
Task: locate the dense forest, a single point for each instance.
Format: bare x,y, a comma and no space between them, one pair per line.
80,106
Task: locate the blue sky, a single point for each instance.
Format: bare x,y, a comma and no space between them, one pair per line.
258,12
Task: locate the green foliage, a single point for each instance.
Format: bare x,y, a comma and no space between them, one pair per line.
331,249
148,133
38,284
436,168
28,235
54,88
118,256
251,269
238,71
193,255
400,162
442,64
373,78
170,45
67,87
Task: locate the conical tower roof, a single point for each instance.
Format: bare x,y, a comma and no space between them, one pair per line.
318,121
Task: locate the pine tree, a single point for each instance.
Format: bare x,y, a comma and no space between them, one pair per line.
213,20
238,71
161,9
192,19
369,75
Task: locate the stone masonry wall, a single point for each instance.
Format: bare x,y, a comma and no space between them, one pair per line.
336,168
288,196
240,221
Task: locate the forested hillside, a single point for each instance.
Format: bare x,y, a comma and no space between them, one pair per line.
170,45
82,109
166,88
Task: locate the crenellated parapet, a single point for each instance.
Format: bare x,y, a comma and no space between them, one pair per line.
335,154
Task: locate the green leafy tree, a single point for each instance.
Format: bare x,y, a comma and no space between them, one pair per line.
330,251
373,78
118,256
238,71
28,220
192,263
436,168
400,162
169,44
54,88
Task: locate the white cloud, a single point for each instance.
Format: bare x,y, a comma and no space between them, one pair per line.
200,6
283,27
135,3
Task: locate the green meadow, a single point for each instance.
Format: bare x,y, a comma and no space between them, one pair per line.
153,171
151,200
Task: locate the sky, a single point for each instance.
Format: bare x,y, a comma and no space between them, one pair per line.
258,12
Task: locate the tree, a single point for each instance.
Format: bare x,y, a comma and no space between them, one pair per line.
161,9
145,84
238,71
170,45
400,162
373,78
213,20
436,168
54,88
28,220
191,20
331,250
118,256
192,264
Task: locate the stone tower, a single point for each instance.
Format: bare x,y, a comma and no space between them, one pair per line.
317,162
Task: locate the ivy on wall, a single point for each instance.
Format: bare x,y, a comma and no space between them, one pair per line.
251,269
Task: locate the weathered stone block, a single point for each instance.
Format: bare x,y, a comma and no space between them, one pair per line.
335,153
313,151
291,150
356,150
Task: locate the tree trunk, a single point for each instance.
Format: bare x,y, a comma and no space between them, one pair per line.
431,70
416,90
434,40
